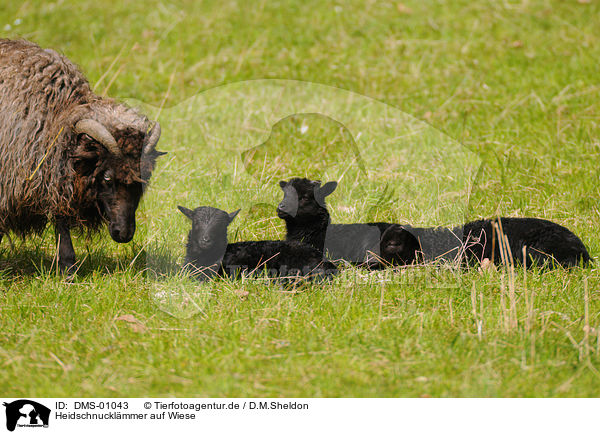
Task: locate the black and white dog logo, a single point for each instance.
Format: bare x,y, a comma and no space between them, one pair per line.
26,413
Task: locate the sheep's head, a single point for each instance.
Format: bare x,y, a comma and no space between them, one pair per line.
398,246
207,240
304,200
113,156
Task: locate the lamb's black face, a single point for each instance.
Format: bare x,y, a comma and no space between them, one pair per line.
398,246
288,207
303,199
209,228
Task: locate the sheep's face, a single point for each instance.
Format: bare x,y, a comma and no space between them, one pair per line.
119,198
113,147
109,184
303,199
209,229
398,246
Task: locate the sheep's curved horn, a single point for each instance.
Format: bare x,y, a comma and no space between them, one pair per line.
151,139
98,132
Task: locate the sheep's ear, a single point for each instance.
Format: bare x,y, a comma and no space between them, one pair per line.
233,214
322,192
282,184
186,212
327,189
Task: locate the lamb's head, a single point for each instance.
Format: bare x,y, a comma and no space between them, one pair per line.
207,240
398,246
304,200
113,154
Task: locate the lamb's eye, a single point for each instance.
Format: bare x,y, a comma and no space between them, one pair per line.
107,177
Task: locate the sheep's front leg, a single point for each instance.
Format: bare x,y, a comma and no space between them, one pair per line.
66,253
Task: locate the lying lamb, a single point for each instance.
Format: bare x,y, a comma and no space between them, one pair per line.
545,242
397,247
307,220
404,244
208,252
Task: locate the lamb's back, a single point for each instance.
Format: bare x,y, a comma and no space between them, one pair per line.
273,255
542,239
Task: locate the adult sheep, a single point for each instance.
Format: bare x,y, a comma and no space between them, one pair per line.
67,155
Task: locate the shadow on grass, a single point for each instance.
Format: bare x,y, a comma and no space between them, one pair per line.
28,259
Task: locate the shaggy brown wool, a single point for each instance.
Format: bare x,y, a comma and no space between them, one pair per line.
47,170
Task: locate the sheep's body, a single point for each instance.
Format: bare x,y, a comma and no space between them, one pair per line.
438,243
37,92
545,242
208,252
352,242
273,258
57,140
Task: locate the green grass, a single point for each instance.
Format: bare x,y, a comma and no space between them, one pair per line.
449,110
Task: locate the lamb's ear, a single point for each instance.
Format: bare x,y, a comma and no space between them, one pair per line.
186,212
322,192
282,184
233,214
327,189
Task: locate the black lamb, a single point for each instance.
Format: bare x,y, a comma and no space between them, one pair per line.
208,252
307,220
404,245
397,247
546,243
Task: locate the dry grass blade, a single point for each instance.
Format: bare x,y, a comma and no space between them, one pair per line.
115,60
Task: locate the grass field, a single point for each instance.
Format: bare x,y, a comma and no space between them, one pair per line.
426,112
